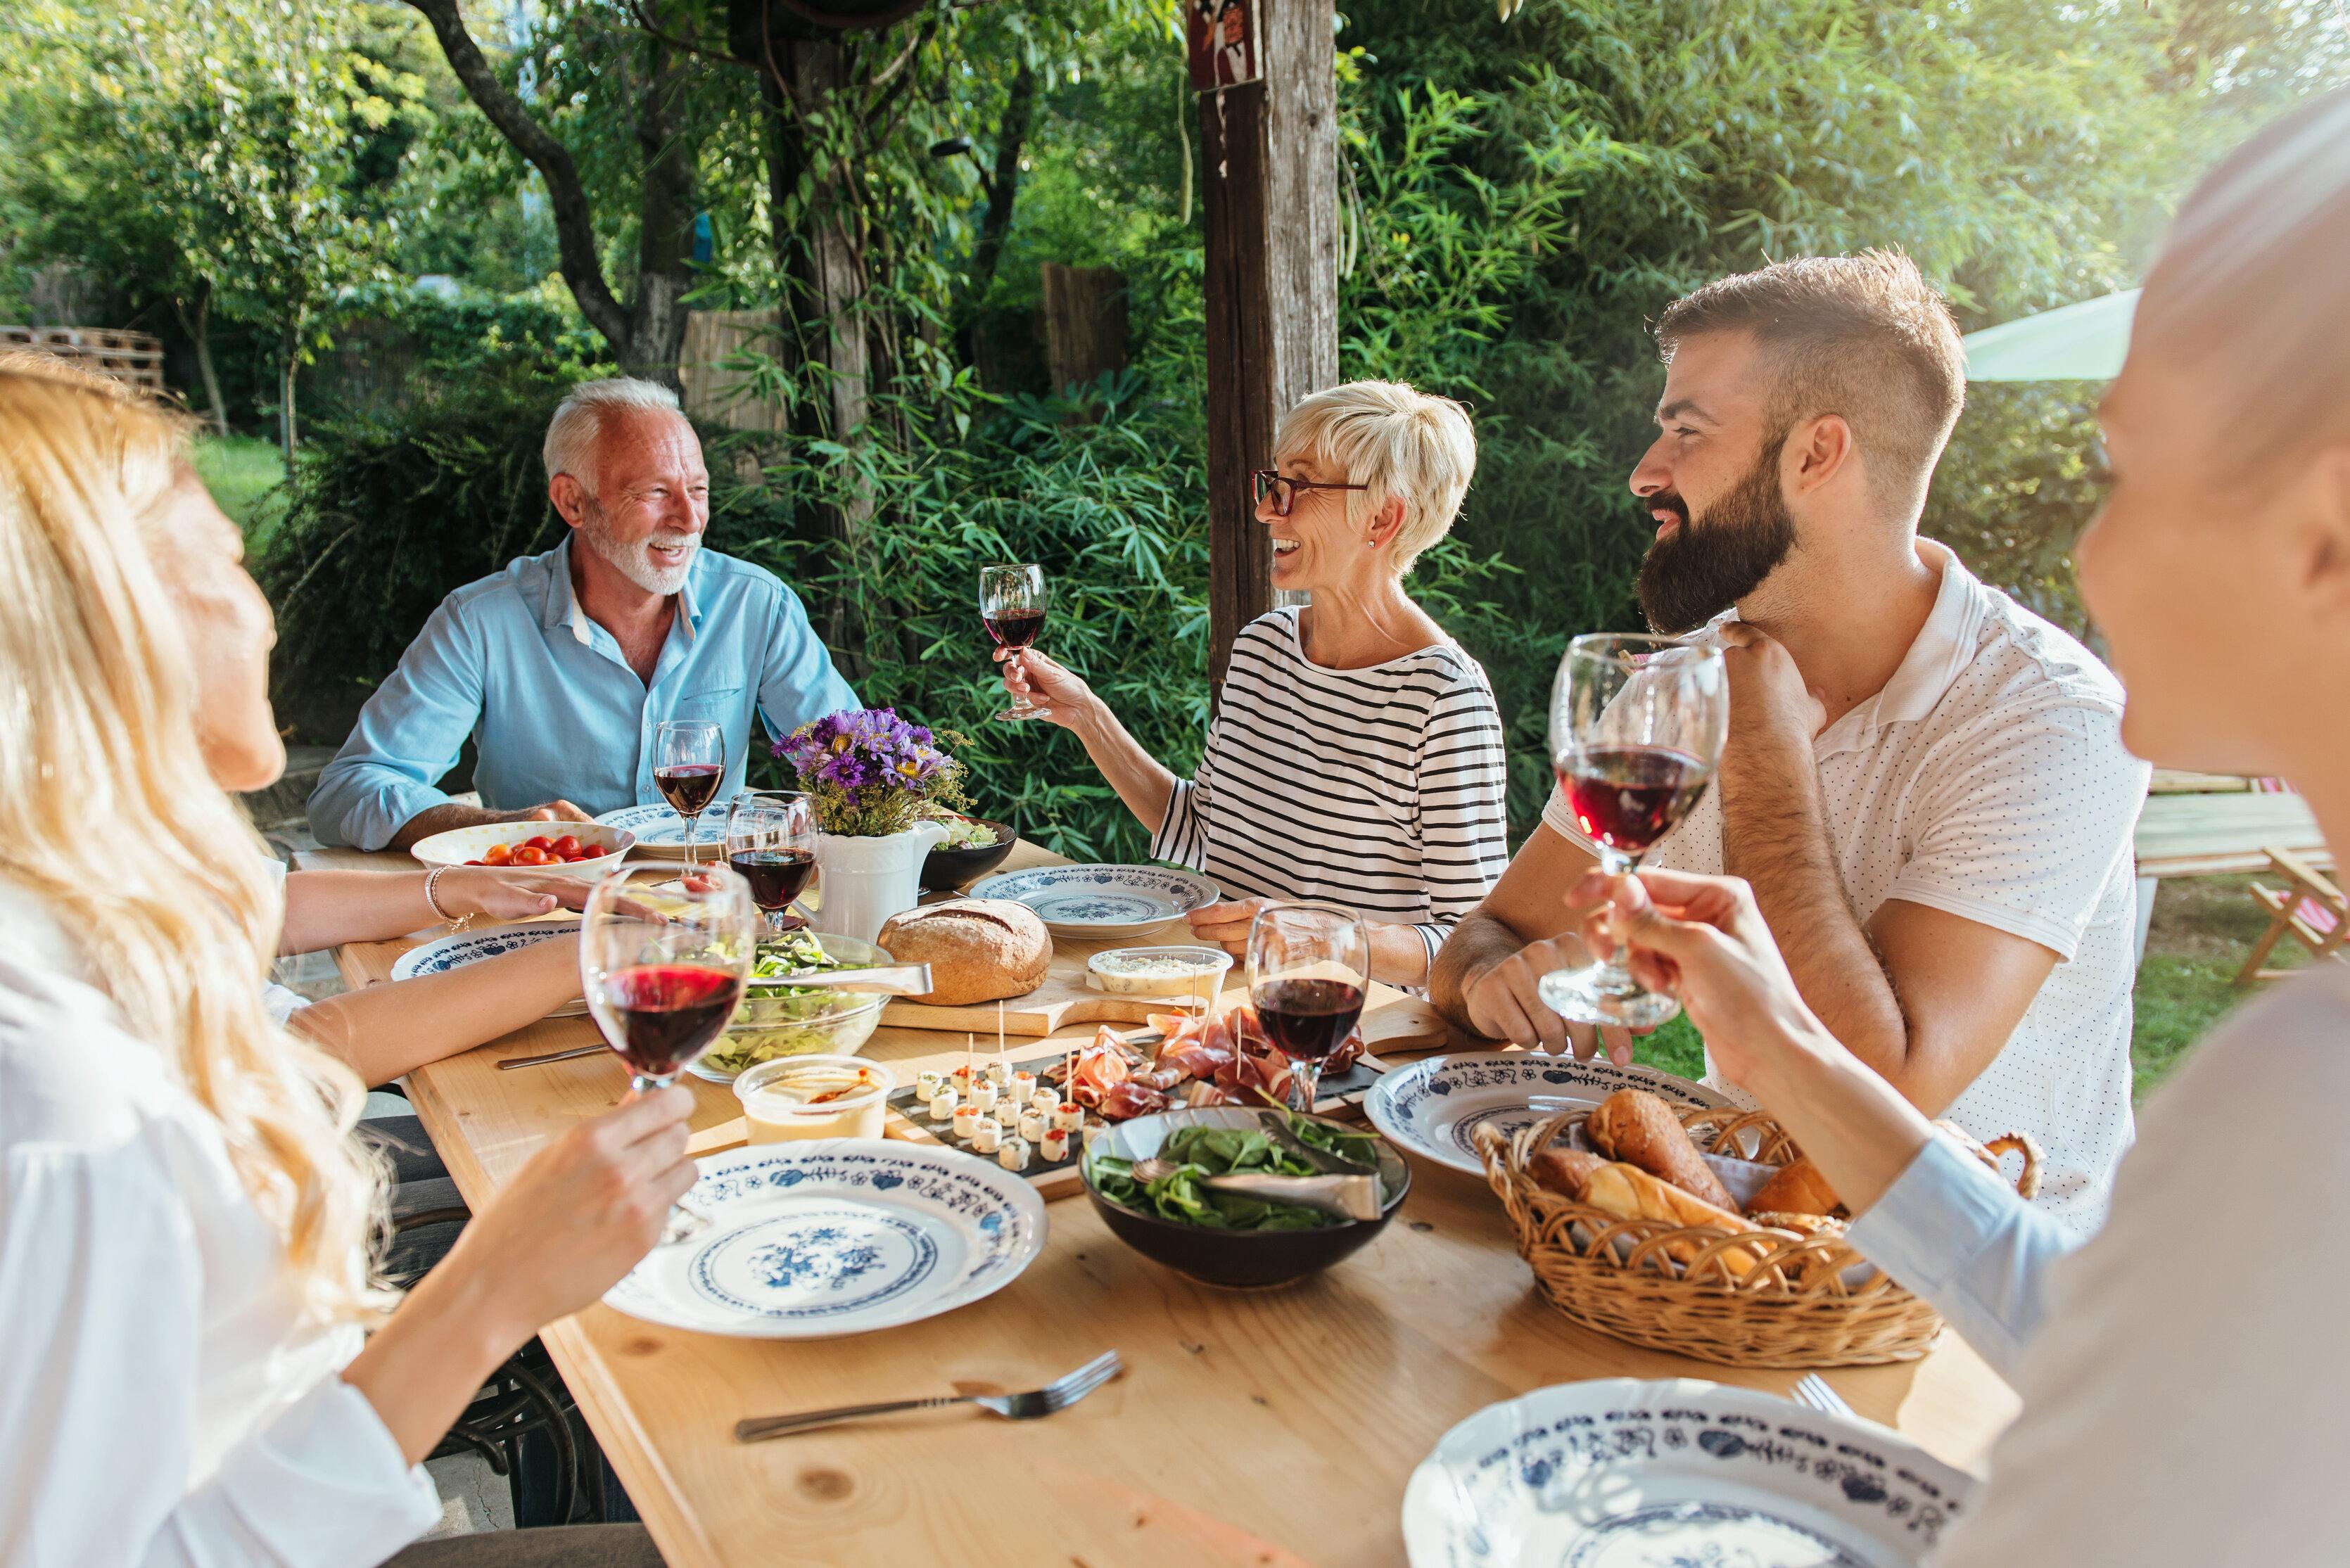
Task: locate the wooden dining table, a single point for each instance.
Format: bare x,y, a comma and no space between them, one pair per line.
1260,1428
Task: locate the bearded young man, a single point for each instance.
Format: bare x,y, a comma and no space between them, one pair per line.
1924,781
562,666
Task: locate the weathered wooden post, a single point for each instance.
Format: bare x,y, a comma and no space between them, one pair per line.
1269,130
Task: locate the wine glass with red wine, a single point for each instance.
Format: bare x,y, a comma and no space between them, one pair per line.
663,966
1309,969
689,759
771,844
1012,604
1636,731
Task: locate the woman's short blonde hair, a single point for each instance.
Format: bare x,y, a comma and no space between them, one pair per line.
100,744
1398,440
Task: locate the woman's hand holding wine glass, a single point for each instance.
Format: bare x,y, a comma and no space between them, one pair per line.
1637,730
1012,601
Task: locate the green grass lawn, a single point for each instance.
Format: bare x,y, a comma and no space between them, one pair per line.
2203,929
243,475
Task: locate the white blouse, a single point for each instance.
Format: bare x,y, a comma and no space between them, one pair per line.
158,1402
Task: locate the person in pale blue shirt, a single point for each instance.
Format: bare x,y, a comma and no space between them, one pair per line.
562,666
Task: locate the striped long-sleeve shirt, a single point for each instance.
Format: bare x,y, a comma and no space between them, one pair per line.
1380,789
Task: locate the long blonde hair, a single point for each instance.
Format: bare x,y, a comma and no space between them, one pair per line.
99,750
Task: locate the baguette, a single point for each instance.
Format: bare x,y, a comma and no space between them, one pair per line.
1637,1127
1797,1189
1631,1193
1564,1170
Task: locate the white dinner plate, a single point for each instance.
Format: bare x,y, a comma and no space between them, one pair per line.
837,1236
1434,1107
1619,1473
660,829
472,947
1102,903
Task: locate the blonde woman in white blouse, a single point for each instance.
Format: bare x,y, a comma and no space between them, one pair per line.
184,1221
1357,752
2181,1371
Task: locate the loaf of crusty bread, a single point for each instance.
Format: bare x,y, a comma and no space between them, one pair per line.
1564,1170
1638,1128
978,949
1795,1189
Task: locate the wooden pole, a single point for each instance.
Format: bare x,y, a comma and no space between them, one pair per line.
1269,183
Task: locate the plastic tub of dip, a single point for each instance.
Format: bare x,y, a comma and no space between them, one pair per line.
814,1096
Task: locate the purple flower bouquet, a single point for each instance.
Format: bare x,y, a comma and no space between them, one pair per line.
867,773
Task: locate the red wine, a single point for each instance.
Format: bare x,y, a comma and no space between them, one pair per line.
1628,797
1015,628
689,786
1308,1019
668,1013
776,876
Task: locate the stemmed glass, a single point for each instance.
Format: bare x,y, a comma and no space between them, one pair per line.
1012,603
771,843
1637,725
689,759
1309,969
663,966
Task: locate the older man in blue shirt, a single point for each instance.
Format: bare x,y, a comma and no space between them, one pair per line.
563,665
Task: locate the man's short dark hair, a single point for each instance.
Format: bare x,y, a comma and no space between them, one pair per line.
1863,336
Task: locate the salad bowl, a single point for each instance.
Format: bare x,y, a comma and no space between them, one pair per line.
1221,1254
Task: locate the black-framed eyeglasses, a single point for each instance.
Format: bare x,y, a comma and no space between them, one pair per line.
1283,489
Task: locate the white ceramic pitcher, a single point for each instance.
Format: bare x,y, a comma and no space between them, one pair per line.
867,880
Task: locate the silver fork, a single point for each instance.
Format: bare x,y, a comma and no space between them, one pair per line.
1813,1390
1055,1397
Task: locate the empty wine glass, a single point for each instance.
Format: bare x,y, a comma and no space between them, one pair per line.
1012,604
1309,971
771,844
689,759
1637,725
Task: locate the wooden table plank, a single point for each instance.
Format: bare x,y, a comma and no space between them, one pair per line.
1273,1428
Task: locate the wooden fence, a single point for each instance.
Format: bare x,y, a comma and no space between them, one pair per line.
711,392
133,357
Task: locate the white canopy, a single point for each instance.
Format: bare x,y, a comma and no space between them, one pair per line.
2084,342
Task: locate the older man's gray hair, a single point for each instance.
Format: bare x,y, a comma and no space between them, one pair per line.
579,419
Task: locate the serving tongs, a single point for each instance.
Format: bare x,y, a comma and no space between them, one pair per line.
1346,1196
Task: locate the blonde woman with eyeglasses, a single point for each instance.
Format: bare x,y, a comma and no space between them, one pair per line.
203,1370
1357,752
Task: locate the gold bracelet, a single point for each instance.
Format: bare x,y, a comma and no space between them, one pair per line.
454,922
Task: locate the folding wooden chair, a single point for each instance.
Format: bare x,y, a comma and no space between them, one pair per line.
2308,908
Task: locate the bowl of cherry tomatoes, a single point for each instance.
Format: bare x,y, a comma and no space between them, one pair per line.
580,848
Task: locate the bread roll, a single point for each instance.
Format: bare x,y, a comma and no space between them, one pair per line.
978,949
1795,1189
1631,1192
1564,1170
1637,1127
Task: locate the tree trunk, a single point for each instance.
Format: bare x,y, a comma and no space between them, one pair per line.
657,316
1085,323
198,332
286,432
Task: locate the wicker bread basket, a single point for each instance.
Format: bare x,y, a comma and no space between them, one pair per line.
1670,1287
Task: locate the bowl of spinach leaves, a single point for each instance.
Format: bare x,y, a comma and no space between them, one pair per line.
1216,1238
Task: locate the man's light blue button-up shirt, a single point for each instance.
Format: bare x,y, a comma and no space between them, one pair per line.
512,661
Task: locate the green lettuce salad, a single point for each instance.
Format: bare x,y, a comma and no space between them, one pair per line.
1200,1151
778,1020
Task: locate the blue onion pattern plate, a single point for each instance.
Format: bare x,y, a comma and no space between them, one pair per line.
472,947
1619,1473
1091,903
1434,1107
659,827
837,1236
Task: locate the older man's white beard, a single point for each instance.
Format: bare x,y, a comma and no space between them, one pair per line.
631,560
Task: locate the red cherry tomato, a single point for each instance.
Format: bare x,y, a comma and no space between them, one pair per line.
567,847
541,842
592,852
498,855
477,862
532,855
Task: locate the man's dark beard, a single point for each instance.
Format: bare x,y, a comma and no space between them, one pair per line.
1705,565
